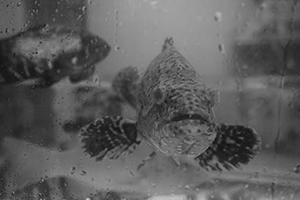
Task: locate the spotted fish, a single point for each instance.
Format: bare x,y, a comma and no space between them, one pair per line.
174,116
49,54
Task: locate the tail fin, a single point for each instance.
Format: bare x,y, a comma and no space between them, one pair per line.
233,146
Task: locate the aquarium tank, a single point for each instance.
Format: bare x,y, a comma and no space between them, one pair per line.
150,99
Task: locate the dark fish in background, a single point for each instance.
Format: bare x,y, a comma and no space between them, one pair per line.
49,54
92,102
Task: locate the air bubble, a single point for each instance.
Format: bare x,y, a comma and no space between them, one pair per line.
218,17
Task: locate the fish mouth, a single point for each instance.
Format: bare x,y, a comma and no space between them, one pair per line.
188,134
193,116
178,117
198,115
183,114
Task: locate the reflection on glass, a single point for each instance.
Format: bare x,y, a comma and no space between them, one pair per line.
64,64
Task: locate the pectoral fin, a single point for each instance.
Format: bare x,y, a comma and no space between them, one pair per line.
233,146
110,137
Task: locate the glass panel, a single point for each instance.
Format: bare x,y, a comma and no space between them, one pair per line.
83,116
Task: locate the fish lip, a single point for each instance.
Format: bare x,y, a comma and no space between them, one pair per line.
192,116
182,114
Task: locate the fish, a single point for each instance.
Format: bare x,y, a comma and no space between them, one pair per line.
92,102
174,116
49,53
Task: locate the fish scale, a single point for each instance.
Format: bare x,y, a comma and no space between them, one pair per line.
174,116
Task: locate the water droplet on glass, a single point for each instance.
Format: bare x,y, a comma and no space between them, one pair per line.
297,168
154,4
73,170
187,187
221,48
218,17
96,79
131,173
117,48
83,173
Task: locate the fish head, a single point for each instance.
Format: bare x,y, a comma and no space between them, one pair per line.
95,49
187,135
185,126
80,64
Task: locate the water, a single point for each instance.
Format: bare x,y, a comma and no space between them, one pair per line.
247,50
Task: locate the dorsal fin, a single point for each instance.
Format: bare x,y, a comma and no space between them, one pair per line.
125,84
168,43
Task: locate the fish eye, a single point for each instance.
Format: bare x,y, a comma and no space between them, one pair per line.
158,95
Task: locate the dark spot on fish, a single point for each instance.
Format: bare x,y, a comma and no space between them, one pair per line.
158,95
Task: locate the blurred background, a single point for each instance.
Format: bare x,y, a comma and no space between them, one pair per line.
246,49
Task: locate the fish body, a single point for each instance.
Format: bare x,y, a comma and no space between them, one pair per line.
49,54
174,116
175,106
